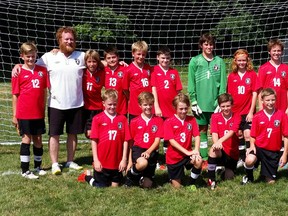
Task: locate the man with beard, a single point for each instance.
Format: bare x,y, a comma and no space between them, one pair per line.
65,102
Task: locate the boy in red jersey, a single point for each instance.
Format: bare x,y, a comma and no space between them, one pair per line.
137,78
179,131
224,129
166,84
29,99
146,131
93,82
274,74
268,127
243,86
114,74
109,139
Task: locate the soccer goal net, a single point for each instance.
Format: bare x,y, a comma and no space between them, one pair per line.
177,24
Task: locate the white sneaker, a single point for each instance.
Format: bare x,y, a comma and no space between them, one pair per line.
73,165
56,169
28,174
240,163
40,171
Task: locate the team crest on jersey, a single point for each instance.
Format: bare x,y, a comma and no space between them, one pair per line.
216,67
120,125
77,61
283,73
189,127
172,76
148,72
120,74
154,128
231,124
97,79
248,81
276,123
40,73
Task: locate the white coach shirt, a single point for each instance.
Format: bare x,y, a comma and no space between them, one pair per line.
65,74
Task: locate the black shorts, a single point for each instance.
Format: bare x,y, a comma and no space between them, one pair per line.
72,118
152,161
244,125
176,171
88,116
31,127
269,162
107,176
227,161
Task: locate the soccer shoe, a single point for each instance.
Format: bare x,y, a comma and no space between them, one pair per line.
211,184
129,182
74,166
240,163
161,167
29,175
81,177
40,171
246,180
205,165
56,170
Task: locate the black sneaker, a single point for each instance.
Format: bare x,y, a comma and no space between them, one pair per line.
246,180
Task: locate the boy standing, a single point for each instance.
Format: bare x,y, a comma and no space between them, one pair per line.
206,81
109,140
146,131
29,99
224,151
268,127
179,131
274,74
137,78
114,77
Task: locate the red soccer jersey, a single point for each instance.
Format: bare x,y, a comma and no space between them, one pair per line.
221,126
267,131
30,86
92,86
241,89
110,134
144,132
269,77
182,132
167,86
114,79
136,80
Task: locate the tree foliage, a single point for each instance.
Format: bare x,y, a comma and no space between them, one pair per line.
104,26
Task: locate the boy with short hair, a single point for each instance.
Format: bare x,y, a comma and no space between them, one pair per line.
274,74
93,82
206,81
137,78
114,77
109,140
268,127
29,100
179,131
224,129
146,131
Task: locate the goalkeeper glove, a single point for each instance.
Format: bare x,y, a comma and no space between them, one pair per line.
196,110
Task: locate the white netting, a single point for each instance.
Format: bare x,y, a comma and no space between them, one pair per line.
178,24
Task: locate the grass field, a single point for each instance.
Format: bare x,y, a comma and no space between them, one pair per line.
63,195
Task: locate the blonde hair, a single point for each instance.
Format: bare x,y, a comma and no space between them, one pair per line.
181,97
267,92
145,97
110,94
140,46
28,47
234,65
274,42
94,55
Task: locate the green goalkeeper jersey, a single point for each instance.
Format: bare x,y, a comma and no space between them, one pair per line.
206,80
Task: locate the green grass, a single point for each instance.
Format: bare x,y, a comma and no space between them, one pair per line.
63,195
